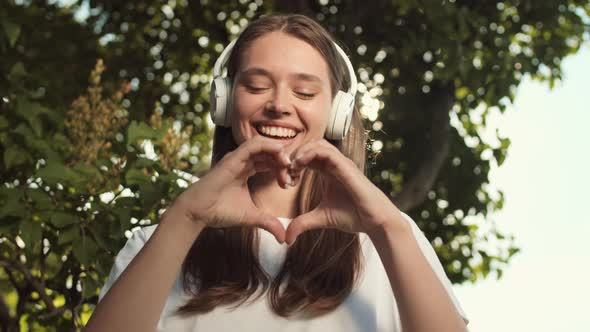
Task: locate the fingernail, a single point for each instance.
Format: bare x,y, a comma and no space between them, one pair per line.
289,180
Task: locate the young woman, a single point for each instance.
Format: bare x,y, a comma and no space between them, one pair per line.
288,166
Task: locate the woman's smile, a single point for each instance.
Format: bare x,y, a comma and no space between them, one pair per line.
281,132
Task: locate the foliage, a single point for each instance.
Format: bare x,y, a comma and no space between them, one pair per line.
82,166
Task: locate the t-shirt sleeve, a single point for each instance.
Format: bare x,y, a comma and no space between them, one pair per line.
434,262
125,256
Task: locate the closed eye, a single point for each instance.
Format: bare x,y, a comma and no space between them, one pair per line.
254,89
305,95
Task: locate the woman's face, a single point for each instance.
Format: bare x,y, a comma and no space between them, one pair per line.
281,91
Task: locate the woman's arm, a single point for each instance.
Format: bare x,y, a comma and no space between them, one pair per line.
422,300
218,200
136,299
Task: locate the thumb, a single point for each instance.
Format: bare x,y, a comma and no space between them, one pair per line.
267,222
307,221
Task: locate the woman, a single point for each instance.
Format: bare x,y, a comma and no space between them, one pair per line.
286,166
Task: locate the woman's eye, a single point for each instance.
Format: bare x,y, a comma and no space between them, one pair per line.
255,89
305,95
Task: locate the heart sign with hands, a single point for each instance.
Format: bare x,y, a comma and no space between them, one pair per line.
351,203
221,198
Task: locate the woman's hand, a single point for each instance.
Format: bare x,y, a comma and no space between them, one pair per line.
352,203
221,198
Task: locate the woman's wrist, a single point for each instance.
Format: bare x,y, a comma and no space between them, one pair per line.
180,215
389,223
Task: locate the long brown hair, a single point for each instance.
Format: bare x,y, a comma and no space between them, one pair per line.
323,266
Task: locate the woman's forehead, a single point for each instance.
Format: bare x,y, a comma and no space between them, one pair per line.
277,53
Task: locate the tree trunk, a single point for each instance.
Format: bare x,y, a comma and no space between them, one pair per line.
415,189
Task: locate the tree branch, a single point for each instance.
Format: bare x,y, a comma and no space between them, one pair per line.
32,281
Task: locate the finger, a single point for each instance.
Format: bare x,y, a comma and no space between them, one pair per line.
296,170
281,171
261,167
310,146
285,177
311,220
257,154
322,159
261,146
267,222
269,166
280,158
296,176
332,162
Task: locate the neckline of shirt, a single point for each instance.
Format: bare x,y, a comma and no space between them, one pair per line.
285,221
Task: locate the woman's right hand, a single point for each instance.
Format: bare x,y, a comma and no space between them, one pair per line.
221,198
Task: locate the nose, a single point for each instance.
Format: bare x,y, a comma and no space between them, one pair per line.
278,105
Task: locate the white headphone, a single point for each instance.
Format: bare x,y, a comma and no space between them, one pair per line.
342,105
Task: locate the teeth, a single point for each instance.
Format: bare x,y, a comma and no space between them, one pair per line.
277,131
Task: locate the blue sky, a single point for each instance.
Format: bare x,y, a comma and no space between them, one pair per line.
546,182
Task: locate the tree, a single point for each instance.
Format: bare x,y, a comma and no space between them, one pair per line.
78,169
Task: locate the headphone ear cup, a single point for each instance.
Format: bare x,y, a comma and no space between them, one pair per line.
219,98
340,116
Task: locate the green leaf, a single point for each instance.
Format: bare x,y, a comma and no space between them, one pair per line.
11,202
84,249
63,219
40,199
90,173
31,111
15,156
141,130
125,202
136,176
17,71
24,131
150,193
12,31
52,265
56,172
99,240
68,235
30,232
145,162
91,287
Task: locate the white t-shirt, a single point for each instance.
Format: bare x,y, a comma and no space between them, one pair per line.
370,306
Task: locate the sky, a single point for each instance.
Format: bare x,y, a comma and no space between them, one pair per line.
546,182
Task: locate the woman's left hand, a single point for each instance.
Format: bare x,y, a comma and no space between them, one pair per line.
352,203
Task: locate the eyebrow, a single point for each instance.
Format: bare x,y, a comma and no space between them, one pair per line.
264,72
